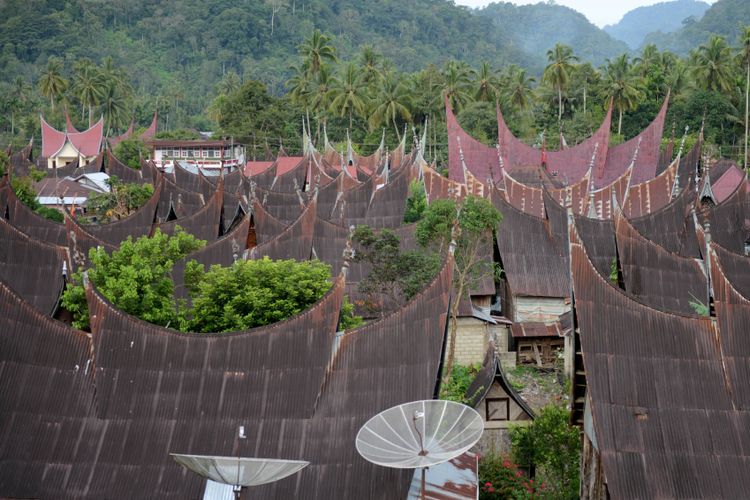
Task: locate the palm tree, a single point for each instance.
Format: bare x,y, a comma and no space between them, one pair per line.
518,88
392,102
455,84
51,82
300,85
712,65
89,85
621,84
582,78
113,106
744,57
649,56
487,83
229,83
317,50
348,93
321,93
370,61
557,72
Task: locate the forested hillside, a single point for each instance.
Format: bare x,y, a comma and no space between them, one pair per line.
666,17
726,18
536,28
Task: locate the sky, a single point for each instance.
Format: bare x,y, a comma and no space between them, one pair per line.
599,12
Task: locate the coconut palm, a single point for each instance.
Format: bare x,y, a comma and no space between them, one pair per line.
557,72
371,62
583,77
317,50
712,65
51,82
744,57
321,93
518,92
391,102
113,106
455,84
649,56
229,83
300,85
622,85
487,83
348,94
88,85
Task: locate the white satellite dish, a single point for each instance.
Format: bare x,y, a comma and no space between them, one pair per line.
419,434
240,472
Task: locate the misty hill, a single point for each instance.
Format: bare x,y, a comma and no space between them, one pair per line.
536,28
665,17
726,18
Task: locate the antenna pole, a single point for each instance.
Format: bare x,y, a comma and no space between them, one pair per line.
424,471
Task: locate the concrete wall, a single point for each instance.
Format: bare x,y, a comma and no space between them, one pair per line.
473,337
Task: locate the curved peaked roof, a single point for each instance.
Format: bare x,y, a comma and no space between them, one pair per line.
534,261
569,164
291,172
295,242
114,141
388,203
600,201
137,224
577,194
728,220
438,187
203,224
33,224
735,267
194,182
32,267
656,385
267,227
642,151
88,143
123,172
653,194
152,129
598,236
80,242
69,128
527,199
659,278
671,227
329,242
463,149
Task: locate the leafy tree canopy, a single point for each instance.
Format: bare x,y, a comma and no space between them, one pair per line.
253,293
130,151
121,201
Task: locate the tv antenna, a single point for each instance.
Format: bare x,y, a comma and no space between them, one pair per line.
240,472
419,434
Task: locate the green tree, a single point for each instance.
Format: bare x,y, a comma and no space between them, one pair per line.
88,85
518,93
348,320
348,94
371,63
121,201
300,86
621,84
325,82
52,84
253,293
712,65
471,224
394,274
391,102
416,203
130,151
487,83
552,447
557,72
113,106
455,84
317,50
136,278
229,83
744,57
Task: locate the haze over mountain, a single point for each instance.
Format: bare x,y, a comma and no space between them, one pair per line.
665,17
726,18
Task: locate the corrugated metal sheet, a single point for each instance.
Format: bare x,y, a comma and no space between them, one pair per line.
662,408
295,242
736,268
33,268
116,168
728,220
672,226
481,159
652,194
660,279
32,224
203,224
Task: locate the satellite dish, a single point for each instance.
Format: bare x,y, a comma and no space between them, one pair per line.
240,472
419,434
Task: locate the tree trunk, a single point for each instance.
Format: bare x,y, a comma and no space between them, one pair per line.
52,102
90,113
350,119
619,123
273,15
584,99
396,128
452,334
559,104
747,102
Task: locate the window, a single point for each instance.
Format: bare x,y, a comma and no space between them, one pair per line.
204,153
497,409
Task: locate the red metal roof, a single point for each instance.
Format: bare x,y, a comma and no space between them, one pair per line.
727,183
286,163
256,167
88,143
